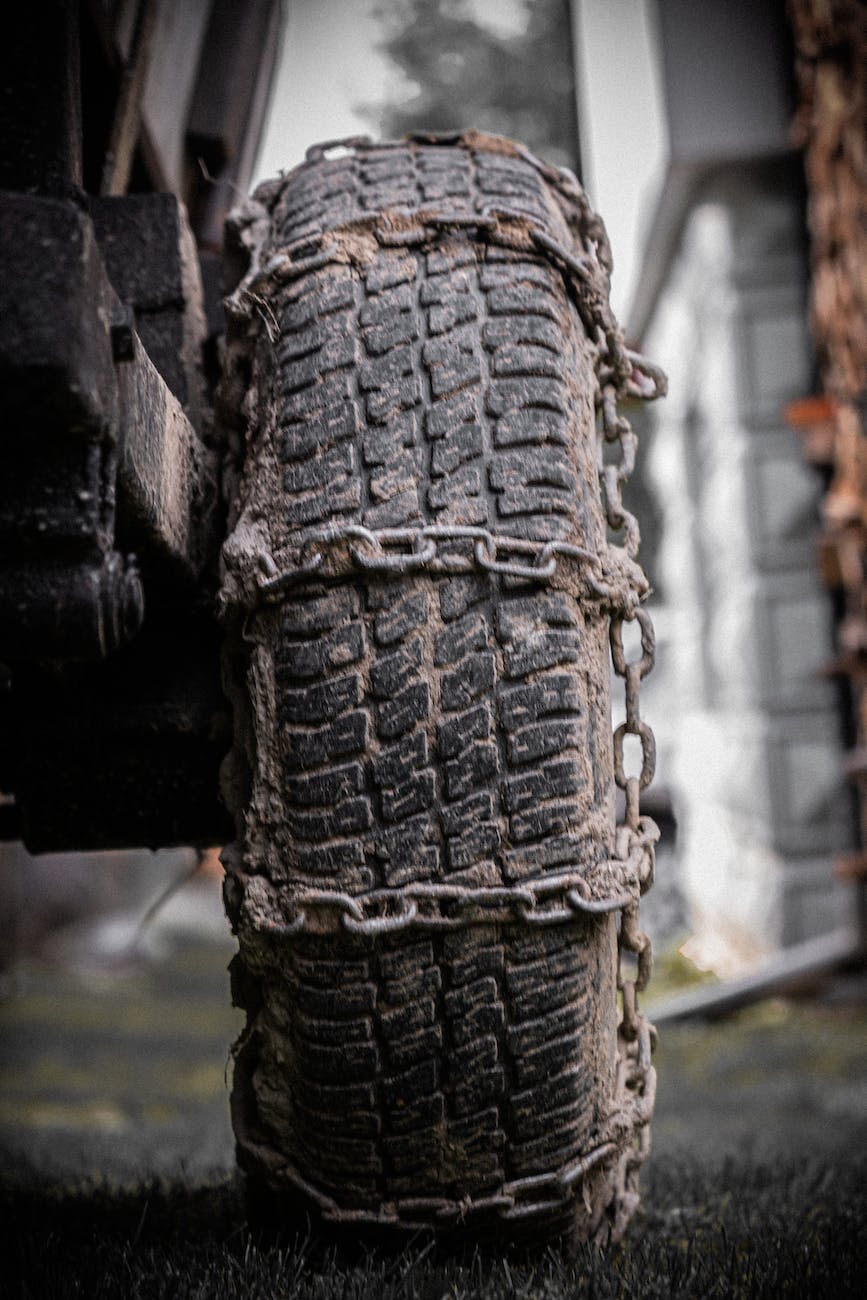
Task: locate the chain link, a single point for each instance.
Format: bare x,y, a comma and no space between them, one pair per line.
520,1198
334,549
435,906
637,1083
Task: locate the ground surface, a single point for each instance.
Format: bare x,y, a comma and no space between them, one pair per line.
117,1176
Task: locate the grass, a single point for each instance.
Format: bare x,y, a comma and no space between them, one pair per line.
787,1229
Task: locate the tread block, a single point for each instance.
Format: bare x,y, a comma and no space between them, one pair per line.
384,403
559,779
395,762
411,796
319,966
414,984
482,991
479,1090
333,1032
380,443
450,413
416,1086
516,617
408,707
543,739
349,817
343,1154
531,275
545,1062
526,1036
474,676
382,309
554,818
401,509
531,427
405,1020
338,648
472,838
332,390
423,1112
330,466
458,817
489,1018
341,1002
531,1109
359,1123
476,962
401,958
307,747
477,764
338,859
506,395
444,287
401,1052
534,978
511,299
460,639
407,853
526,328
325,503
407,613
556,851
332,424
531,468
317,335
453,312
548,649
462,592
449,256
321,701
456,734
326,787
533,501
385,370
326,1064
318,610
526,360
398,329
482,1054
324,296
394,671
478,1133
399,475
419,1149
461,444
389,271
554,693
334,352
542,998
459,501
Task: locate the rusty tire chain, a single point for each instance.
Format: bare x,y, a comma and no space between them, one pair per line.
619,373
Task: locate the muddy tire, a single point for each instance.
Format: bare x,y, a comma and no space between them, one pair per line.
417,594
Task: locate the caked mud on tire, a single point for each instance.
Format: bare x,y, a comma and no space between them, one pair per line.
427,883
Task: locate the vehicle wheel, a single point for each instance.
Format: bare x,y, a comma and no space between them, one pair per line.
428,887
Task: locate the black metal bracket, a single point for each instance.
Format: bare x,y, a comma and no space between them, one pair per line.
109,527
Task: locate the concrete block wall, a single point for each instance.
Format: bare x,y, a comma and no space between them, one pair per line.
749,730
